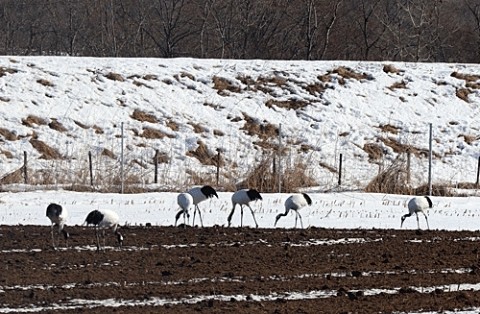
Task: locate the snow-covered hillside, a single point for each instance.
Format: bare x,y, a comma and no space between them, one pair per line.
57,109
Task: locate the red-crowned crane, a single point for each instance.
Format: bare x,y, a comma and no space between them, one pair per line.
104,219
58,217
418,204
295,202
244,197
199,195
185,201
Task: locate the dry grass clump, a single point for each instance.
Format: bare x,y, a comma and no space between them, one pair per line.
13,177
184,74
465,77
264,177
315,89
374,151
108,153
263,130
293,104
396,85
469,139
46,151
222,85
463,93
390,68
172,125
161,158
392,180
152,133
4,71
142,116
389,128
98,130
31,120
80,124
205,156
8,135
348,73
45,82
437,190
115,77
197,127
57,126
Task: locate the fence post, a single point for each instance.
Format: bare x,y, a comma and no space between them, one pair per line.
25,172
409,159
340,170
430,161
218,165
155,162
478,172
90,167
279,158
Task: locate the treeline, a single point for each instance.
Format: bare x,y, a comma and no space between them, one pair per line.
397,30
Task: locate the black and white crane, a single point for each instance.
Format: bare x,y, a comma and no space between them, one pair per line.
185,201
295,202
104,219
244,197
199,195
418,204
58,217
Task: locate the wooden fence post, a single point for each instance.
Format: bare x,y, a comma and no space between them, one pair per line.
478,172
90,167
25,172
155,162
218,165
340,170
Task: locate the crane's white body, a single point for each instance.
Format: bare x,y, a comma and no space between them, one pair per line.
185,201
295,202
104,219
243,198
199,195
418,204
58,217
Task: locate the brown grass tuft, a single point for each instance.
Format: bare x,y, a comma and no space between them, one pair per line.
173,125
152,133
396,85
4,71
98,130
203,155
222,85
197,127
80,124
389,128
46,151
8,135
31,120
469,139
57,126
392,180
293,104
315,89
390,68
161,157
264,130
13,177
150,77
463,93
108,153
348,73
45,82
374,151
465,77
143,116
115,77
264,177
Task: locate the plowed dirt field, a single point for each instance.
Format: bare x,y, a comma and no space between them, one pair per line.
239,270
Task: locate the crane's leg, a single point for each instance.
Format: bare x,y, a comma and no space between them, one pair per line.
418,223
426,219
253,215
53,240
298,216
97,237
229,219
199,215
104,237
241,216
